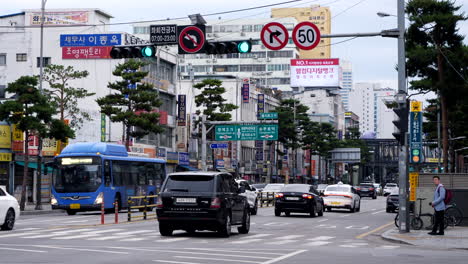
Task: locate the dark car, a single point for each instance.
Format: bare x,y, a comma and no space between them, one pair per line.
259,186
367,190
194,201
298,198
393,201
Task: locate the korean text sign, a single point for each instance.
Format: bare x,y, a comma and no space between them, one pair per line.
315,72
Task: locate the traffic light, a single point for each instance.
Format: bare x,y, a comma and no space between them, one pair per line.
141,51
225,47
401,123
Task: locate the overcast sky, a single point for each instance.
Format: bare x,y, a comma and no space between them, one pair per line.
373,59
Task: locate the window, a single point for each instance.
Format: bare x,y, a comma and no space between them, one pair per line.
226,68
2,193
45,60
2,91
252,55
246,28
280,54
3,59
258,28
21,57
278,67
252,67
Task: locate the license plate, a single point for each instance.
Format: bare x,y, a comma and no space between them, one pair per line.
292,198
335,203
74,206
186,200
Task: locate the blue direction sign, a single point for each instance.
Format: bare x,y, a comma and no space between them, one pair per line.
90,40
219,145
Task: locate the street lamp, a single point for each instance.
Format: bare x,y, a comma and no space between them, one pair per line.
383,14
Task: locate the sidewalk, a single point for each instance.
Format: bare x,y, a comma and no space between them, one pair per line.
46,209
454,238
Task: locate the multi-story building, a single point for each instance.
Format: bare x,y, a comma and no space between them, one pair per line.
321,17
367,100
351,121
346,82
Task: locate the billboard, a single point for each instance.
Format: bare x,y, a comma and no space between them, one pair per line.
315,73
60,18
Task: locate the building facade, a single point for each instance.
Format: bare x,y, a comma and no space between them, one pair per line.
346,82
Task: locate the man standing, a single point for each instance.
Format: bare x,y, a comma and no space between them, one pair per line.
439,207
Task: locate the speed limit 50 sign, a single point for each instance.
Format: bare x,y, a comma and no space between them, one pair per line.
306,35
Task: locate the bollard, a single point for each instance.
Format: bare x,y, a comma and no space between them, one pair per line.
129,210
116,205
102,212
145,200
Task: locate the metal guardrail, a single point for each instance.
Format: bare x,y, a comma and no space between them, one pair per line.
142,205
266,199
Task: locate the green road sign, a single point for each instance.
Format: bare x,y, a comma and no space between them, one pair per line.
246,132
268,116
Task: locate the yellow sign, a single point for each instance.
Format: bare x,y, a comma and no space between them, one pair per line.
5,156
432,160
5,136
416,106
50,147
413,179
18,135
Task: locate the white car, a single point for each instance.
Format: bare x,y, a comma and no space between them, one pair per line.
342,196
378,188
9,210
390,188
273,187
251,195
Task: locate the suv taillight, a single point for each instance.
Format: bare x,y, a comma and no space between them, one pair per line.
279,195
215,203
159,203
307,196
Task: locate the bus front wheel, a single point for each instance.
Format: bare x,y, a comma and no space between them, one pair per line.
71,212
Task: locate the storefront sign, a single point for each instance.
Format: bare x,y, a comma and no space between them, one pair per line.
172,157
5,157
315,73
86,52
5,136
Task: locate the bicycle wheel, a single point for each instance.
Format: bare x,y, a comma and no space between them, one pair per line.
446,222
397,219
455,215
417,223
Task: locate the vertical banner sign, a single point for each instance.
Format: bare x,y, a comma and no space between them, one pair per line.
261,103
413,179
5,136
259,147
245,91
181,113
415,132
103,127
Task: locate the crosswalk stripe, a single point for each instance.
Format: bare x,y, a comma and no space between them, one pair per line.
317,243
246,241
289,237
281,242
170,240
321,238
58,233
353,245
135,232
258,235
388,247
87,234
133,239
105,238
19,234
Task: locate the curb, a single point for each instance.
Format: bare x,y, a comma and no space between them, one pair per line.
41,212
386,237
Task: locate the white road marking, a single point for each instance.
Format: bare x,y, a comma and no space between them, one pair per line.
176,262
246,241
327,226
25,250
375,209
357,227
378,212
88,234
353,245
258,235
19,234
82,249
289,237
345,215
321,238
170,240
106,238
188,252
133,239
388,247
318,243
271,261
276,223
233,251
134,232
75,221
59,233
219,259
323,220
281,242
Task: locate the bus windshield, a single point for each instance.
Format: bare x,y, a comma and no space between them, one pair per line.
77,174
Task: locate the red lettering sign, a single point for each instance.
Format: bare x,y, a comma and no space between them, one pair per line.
86,52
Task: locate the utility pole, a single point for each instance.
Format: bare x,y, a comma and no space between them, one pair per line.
203,144
403,155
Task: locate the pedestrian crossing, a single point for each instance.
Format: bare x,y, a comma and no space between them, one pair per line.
151,235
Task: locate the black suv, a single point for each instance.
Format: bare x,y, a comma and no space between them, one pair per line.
194,201
368,190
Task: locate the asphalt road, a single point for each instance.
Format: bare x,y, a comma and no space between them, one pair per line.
337,237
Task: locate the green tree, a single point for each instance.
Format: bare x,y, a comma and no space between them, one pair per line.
292,117
211,99
32,113
133,102
436,56
64,95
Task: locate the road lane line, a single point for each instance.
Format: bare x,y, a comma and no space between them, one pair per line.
88,234
379,212
176,262
318,243
25,250
321,238
282,242
59,233
357,227
375,230
323,220
19,234
388,247
233,251
188,252
284,257
106,238
258,235
289,237
353,245
219,259
170,240
134,232
246,241
344,215
82,249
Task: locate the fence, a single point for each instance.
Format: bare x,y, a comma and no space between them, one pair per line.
266,198
143,204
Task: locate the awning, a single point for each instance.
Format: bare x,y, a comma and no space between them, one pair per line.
32,165
189,168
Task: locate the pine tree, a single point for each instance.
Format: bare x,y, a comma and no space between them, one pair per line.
212,101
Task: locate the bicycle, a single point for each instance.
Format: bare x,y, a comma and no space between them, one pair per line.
454,214
416,221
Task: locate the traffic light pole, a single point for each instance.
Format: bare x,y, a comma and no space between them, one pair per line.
403,155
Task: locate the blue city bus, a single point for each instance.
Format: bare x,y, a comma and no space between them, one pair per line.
86,175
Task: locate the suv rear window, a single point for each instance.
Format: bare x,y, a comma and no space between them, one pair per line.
296,188
367,185
189,183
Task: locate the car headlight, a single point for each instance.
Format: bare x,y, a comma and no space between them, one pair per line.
99,198
53,201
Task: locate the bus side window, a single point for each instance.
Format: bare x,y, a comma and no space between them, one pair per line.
117,173
140,169
107,173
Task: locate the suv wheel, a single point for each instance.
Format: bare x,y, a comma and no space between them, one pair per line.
255,209
165,230
9,220
312,212
245,227
277,212
225,229
321,211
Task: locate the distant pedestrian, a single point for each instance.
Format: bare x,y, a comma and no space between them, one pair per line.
439,207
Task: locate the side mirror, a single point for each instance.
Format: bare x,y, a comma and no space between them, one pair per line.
253,189
241,189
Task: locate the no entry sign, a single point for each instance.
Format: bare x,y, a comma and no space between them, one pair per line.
306,35
274,36
191,39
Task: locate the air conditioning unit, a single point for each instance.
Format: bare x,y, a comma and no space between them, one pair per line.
209,61
197,56
243,34
268,59
209,35
216,35
215,60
